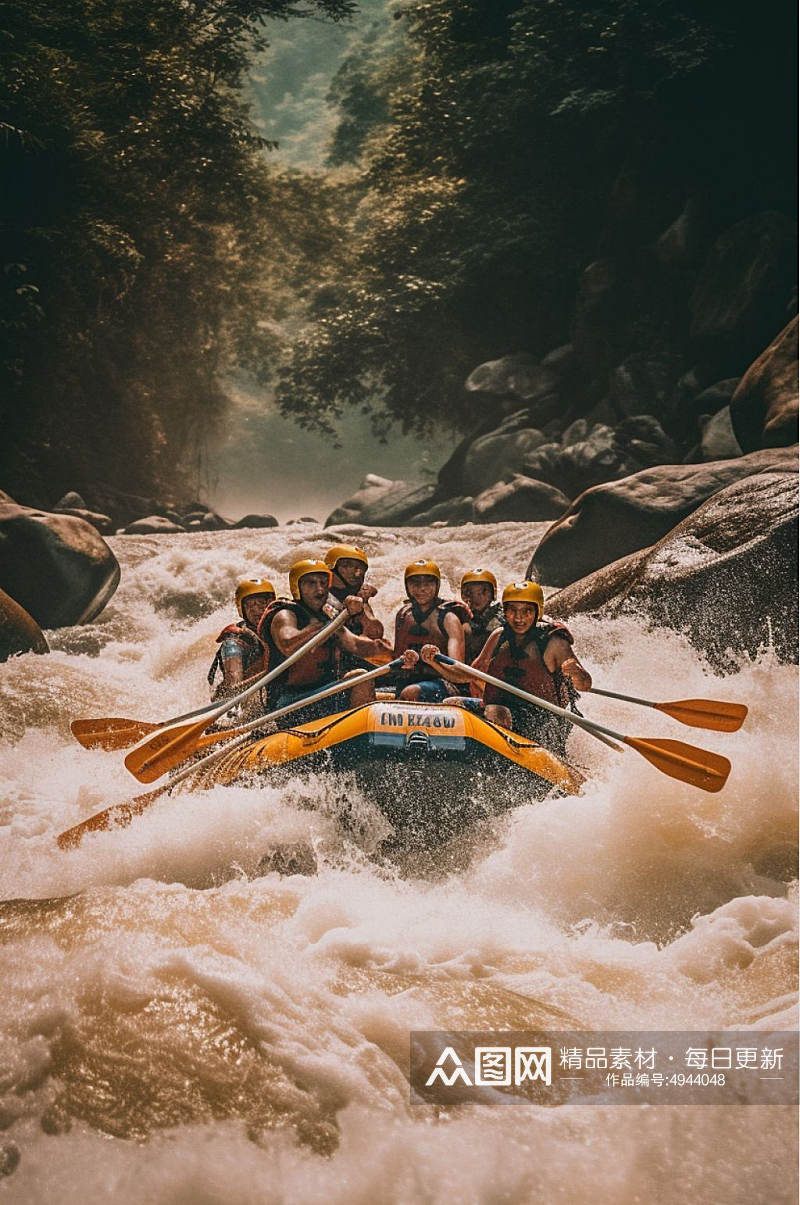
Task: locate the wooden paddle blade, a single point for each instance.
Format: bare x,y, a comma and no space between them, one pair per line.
156,754
708,771
706,713
110,733
175,754
117,816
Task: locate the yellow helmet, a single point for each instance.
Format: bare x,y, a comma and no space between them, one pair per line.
252,585
422,568
480,575
301,569
342,552
527,592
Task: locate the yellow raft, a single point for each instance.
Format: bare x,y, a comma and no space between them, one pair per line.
427,766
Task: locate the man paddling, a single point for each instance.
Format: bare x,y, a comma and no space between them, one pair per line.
348,565
533,653
286,626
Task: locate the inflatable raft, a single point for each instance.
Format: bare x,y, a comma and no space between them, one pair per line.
430,767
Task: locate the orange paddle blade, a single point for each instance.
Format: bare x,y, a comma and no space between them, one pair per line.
119,815
706,713
164,749
110,733
702,769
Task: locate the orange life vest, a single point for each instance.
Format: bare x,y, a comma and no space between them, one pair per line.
319,666
479,628
523,665
410,634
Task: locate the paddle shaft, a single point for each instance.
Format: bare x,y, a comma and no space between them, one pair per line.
597,730
265,679
72,837
242,734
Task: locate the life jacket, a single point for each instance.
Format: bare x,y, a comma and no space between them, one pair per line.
410,634
318,667
480,627
523,665
254,653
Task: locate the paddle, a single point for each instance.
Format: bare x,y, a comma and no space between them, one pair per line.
708,771
171,757
697,713
121,814
115,733
177,737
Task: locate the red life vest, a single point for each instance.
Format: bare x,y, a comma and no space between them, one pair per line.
319,666
255,659
523,665
410,634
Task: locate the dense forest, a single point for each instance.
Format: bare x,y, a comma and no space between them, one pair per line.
486,152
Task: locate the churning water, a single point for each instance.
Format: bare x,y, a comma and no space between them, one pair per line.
179,1025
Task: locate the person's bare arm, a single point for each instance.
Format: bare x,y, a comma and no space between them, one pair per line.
454,631
559,654
288,637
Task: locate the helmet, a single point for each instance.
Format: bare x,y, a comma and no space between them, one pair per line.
301,569
249,586
480,575
527,592
341,552
420,568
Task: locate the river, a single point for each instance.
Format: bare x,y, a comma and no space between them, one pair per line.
178,1027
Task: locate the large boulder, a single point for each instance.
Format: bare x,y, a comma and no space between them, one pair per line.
726,575
383,503
613,520
451,512
764,406
498,454
519,500
718,441
743,291
153,525
55,566
101,523
19,631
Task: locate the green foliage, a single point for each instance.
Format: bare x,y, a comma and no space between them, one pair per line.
507,160
141,233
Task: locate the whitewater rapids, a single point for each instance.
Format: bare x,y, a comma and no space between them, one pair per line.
178,1025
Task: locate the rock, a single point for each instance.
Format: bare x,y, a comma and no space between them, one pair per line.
690,406
19,631
380,505
520,499
257,521
307,519
71,501
498,455
450,512
102,523
718,441
741,296
153,525
55,566
643,437
681,244
123,508
727,574
764,406
4,497
519,374
642,384
613,520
